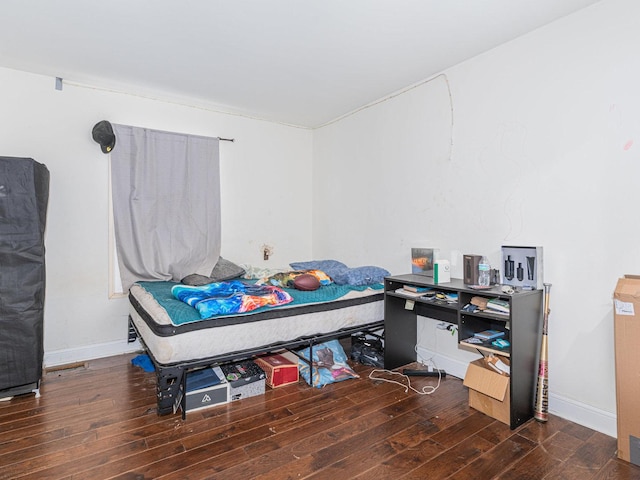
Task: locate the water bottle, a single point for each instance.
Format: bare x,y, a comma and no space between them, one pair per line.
484,272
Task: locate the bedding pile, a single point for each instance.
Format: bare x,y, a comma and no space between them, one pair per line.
224,298
180,313
235,297
337,272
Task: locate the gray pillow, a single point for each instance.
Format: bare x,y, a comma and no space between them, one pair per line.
224,270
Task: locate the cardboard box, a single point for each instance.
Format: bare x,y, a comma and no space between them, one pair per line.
245,379
626,318
522,267
489,391
205,388
280,371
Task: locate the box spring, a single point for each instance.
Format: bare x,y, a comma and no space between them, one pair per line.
171,344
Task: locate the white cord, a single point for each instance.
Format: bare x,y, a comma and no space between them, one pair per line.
421,360
429,362
426,390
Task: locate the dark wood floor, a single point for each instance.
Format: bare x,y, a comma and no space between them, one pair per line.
98,421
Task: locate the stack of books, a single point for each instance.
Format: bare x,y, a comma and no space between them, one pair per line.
447,297
497,305
413,291
415,288
487,335
207,377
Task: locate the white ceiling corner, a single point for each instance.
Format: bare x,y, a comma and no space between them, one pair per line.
302,63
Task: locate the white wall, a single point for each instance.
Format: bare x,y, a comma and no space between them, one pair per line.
264,174
545,151
533,143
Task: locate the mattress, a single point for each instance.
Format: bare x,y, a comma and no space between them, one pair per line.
171,344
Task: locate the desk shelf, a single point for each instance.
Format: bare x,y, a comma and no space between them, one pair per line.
487,347
522,327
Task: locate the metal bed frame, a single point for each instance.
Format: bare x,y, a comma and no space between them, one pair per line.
172,378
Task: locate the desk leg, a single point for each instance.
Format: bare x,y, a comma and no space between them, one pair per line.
400,333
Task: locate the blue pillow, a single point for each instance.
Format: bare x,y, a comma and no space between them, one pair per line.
330,267
360,276
343,275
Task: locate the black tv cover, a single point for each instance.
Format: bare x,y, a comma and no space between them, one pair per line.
24,194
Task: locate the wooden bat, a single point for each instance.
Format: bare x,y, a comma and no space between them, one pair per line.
541,405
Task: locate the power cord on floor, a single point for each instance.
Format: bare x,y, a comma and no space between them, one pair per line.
426,390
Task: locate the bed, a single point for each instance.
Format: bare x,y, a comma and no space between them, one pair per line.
178,340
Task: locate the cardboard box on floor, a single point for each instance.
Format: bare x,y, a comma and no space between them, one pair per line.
626,319
245,379
280,369
205,388
489,391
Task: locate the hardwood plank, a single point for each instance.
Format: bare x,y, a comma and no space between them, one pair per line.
379,453
451,460
326,461
496,460
536,464
461,430
618,469
98,421
588,458
306,447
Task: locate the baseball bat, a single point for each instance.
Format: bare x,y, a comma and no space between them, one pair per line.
541,405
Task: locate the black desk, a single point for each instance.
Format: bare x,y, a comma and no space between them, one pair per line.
522,327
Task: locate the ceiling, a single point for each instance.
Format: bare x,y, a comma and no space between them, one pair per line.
298,62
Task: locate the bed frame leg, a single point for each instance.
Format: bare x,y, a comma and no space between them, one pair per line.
132,334
168,386
309,361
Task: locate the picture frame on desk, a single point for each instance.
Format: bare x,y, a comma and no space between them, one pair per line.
422,261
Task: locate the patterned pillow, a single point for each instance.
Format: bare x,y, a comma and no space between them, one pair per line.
329,364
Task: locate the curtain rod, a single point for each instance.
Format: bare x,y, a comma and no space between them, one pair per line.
226,139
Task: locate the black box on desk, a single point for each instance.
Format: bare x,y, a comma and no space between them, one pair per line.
245,379
206,388
522,267
470,265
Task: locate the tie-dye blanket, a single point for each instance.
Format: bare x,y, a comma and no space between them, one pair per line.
225,298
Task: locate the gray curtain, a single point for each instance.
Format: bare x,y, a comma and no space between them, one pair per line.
166,204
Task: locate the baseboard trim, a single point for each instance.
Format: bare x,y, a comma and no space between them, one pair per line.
91,352
580,413
583,414
452,366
